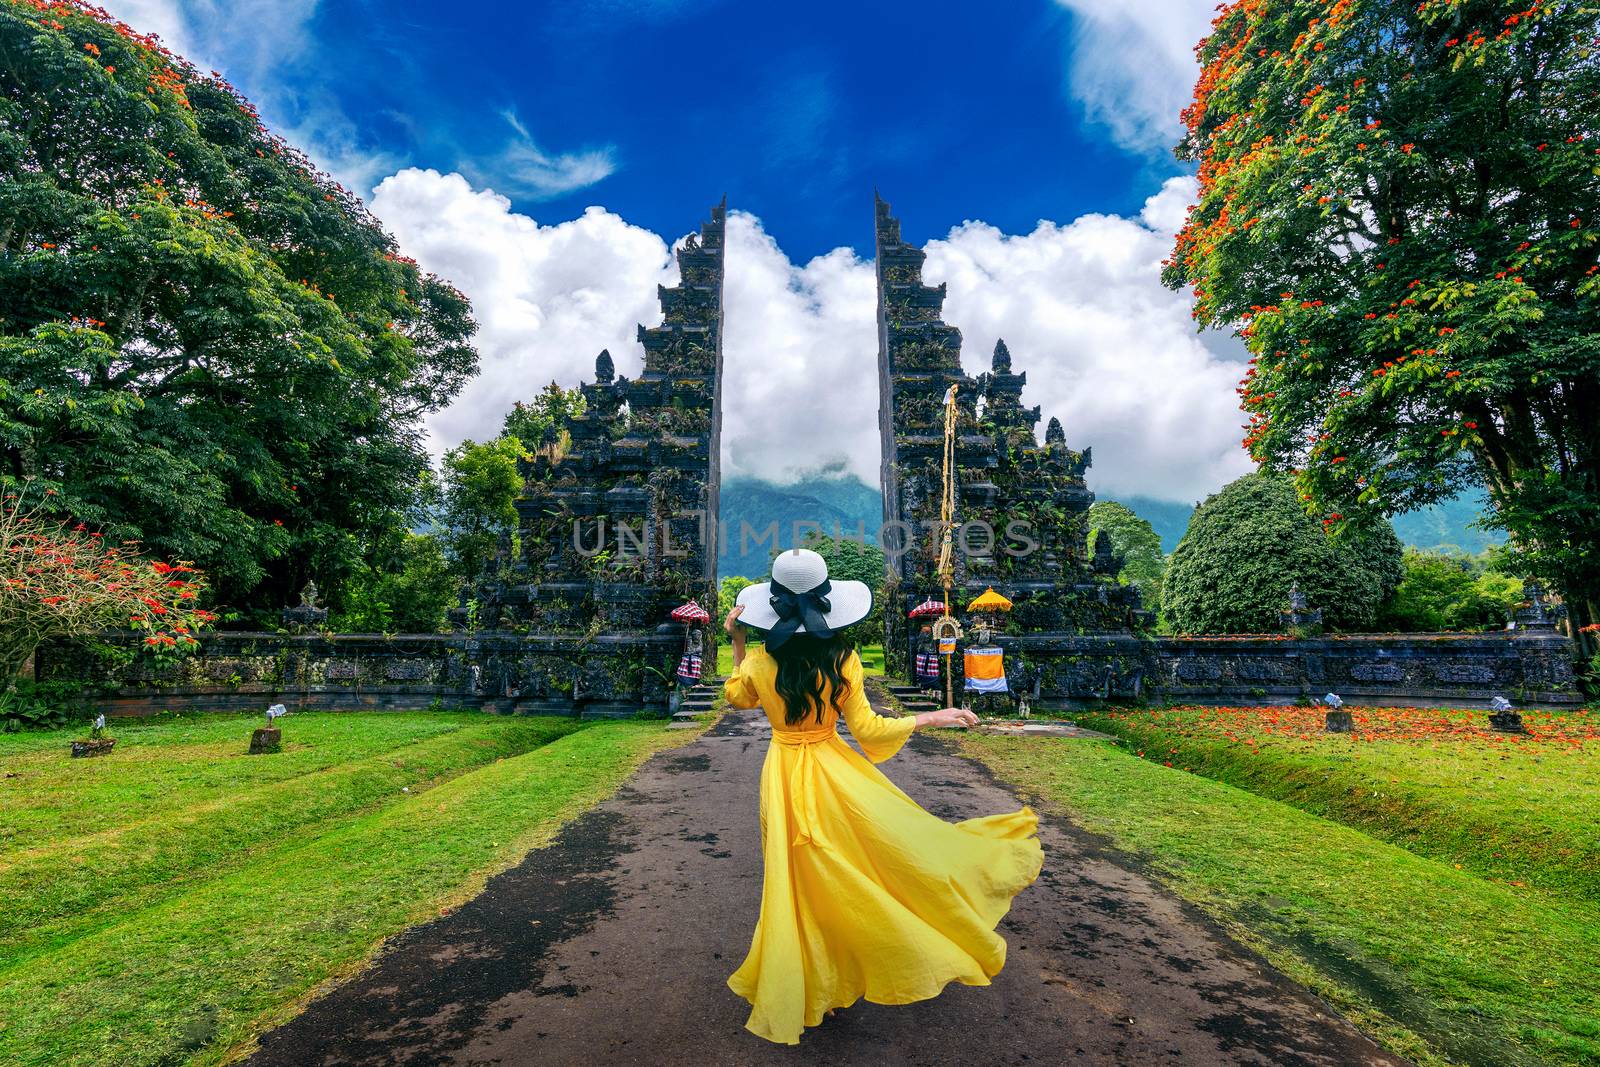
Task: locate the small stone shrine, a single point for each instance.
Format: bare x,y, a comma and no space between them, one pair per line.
306,615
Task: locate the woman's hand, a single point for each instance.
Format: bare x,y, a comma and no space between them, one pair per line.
946,717
733,617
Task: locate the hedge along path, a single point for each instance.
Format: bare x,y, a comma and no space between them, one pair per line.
67,890
1444,966
1520,809
196,975
166,765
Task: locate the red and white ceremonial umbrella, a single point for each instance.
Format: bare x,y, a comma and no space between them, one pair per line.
690,613
927,609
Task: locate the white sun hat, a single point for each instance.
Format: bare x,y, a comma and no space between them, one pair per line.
801,599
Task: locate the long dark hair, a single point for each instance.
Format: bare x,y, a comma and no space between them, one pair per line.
805,663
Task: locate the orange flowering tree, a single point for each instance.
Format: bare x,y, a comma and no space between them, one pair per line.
63,580
1399,212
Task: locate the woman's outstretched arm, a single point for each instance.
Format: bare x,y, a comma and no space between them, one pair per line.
946,717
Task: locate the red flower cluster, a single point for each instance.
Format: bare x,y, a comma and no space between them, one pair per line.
62,580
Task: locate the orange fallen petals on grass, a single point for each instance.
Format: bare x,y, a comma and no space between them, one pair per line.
1255,727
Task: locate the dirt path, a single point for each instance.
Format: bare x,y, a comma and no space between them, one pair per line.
612,946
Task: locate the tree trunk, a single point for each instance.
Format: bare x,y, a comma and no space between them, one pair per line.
16,660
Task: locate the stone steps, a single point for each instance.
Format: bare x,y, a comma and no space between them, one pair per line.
700,701
911,698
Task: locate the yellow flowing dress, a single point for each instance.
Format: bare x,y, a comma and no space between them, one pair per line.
866,894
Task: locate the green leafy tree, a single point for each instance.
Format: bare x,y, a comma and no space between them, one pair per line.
542,423
728,594
854,561
204,343
848,560
1247,545
1136,540
408,591
1450,592
480,487
1399,211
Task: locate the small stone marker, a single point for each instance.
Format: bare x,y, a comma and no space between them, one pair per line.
266,740
1337,721
269,738
97,743
1504,718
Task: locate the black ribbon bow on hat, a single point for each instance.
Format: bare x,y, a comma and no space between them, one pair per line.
810,607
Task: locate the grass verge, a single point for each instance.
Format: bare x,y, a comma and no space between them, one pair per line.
198,974
62,890
1519,809
170,762
1441,964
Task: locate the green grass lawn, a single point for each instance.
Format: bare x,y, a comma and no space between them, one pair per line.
1438,782
1441,959
724,659
166,903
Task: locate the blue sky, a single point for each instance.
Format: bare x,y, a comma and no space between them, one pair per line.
795,112
545,157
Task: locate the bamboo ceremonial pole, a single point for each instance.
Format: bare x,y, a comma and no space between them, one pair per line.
947,516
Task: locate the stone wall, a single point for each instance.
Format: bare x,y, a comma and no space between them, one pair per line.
605,676
1528,667
621,675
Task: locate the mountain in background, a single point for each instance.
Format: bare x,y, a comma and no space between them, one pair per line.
1169,517
1439,527
1448,525
842,504
845,503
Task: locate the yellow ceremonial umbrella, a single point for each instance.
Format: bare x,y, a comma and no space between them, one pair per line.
984,667
990,601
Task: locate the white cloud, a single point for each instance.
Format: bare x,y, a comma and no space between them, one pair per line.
800,350
1107,348
280,64
1132,65
523,168
547,298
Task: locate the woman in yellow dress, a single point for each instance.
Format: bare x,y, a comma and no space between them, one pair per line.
866,894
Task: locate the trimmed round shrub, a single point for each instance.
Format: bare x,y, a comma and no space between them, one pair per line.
1248,544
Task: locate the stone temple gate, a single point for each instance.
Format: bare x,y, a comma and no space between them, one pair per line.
620,528
1022,506
625,523
620,523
